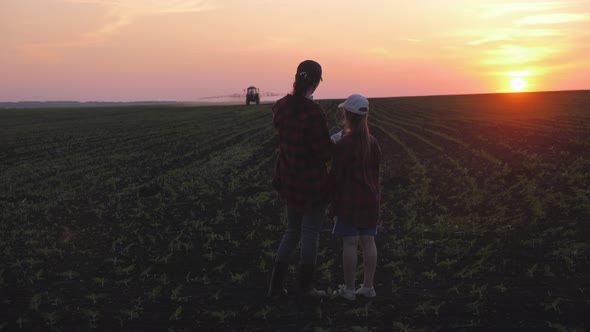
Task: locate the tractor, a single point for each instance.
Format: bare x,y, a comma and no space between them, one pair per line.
252,95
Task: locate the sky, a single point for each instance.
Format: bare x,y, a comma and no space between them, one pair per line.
131,50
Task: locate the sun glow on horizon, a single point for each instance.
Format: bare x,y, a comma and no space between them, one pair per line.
517,84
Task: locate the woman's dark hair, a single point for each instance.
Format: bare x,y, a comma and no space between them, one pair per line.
308,76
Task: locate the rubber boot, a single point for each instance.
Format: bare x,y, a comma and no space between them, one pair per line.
306,288
275,288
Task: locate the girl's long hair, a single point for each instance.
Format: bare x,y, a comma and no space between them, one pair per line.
358,125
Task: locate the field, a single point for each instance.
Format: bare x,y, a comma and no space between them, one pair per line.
163,218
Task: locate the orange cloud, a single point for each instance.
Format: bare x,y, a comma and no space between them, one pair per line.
122,13
119,14
494,10
553,19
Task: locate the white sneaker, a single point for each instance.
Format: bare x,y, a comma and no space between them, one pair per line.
344,293
366,292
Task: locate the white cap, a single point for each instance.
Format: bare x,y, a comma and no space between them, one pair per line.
354,103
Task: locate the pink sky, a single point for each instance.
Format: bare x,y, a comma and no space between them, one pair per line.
126,50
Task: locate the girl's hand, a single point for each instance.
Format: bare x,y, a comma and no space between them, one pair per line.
337,136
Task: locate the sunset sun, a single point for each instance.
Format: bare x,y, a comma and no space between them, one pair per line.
517,84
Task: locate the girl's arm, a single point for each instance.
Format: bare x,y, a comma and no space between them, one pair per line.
379,154
338,162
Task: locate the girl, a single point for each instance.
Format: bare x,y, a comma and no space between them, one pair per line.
356,196
301,176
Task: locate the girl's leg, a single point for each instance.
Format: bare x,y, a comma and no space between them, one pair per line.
349,259
369,259
291,236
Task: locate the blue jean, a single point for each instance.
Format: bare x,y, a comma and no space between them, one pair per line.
305,227
345,229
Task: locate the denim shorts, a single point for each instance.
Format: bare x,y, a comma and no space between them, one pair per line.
346,229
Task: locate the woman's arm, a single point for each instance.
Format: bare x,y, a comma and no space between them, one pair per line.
321,144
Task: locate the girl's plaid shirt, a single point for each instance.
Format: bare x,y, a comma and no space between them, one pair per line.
354,183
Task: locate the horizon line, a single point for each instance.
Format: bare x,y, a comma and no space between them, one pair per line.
200,99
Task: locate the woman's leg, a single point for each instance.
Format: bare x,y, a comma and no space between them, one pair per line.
310,239
311,225
369,259
284,253
291,236
349,259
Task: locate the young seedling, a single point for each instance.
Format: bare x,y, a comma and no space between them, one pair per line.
400,273
427,308
267,243
263,266
154,293
394,287
70,274
560,328
473,307
115,260
263,313
125,270
124,282
429,274
117,242
45,251
501,288
130,314
222,316
210,256
321,329
92,316
50,318
164,279
239,277
176,314
219,268
548,272
56,301
125,250
531,271
174,295
20,322
360,312
479,291
38,275
99,281
95,297
399,326
554,305
32,262
216,296
164,259
36,301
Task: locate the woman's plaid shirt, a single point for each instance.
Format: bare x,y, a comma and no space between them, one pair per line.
301,175
354,183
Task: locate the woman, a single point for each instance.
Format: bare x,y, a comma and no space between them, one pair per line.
301,176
